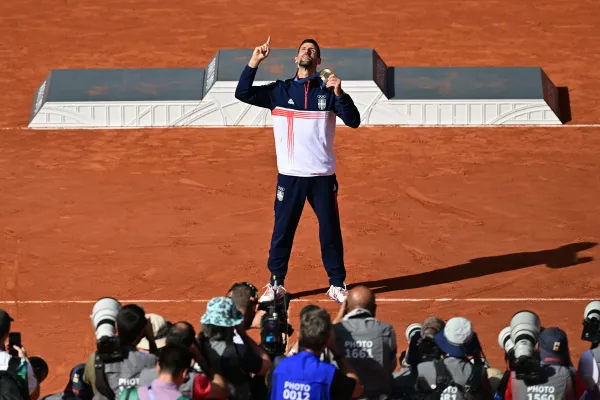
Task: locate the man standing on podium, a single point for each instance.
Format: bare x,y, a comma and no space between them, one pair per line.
304,110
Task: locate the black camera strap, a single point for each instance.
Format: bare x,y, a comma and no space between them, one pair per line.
101,382
473,384
443,379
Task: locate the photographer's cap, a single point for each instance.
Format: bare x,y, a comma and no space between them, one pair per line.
220,311
5,321
554,346
458,339
77,388
160,327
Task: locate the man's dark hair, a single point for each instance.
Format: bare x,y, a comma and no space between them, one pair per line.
315,327
241,296
308,308
181,333
174,359
131,321
314,42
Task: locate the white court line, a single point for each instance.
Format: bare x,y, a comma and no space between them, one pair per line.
24,128
383,300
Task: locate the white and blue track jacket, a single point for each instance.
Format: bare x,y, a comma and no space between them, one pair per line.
304,120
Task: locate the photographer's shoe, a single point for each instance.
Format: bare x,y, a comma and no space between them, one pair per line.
337,293
269,294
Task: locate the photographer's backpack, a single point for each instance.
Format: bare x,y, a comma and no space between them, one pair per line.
443,380
12,386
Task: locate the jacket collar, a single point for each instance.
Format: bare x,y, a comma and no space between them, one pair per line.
309,78
358,313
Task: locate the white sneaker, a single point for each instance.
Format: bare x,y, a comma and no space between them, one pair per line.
269,294
337,293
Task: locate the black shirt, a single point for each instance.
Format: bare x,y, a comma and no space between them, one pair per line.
341,387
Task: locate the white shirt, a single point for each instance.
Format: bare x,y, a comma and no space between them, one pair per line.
31,379
304,142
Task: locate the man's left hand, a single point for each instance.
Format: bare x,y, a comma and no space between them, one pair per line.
335,83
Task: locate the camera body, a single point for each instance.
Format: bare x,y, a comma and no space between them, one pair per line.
420,349
591,323
109,349
274,327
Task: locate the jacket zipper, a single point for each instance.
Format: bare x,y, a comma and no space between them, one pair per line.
306,85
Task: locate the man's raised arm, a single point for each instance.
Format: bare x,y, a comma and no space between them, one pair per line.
259,96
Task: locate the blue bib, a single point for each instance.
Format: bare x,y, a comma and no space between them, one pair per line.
302,377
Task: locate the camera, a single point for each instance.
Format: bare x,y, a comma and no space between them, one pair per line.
274,327
412,330
420,348
505,341
521,342
591,323
104,320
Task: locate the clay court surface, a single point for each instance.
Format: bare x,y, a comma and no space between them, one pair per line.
180,214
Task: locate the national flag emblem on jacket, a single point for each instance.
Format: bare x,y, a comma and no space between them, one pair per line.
321,102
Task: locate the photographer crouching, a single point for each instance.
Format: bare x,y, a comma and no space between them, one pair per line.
116,364
544,374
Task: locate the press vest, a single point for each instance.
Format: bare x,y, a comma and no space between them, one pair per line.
558,385
460,372
367,345
302,377
126,373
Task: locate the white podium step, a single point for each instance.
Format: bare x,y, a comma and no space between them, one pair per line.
178,97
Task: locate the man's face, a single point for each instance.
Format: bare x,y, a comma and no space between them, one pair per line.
307,56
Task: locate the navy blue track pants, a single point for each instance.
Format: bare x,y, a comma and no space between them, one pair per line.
321,193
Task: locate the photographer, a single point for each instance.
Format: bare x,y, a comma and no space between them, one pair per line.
460,374
304,375
217,345
183,334
76,388
173,365
421,347
368,344
17,377
108,374
558,379
589,363
244,296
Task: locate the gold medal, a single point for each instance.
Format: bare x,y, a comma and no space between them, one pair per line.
325,74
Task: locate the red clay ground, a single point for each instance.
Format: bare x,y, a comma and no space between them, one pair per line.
182,213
